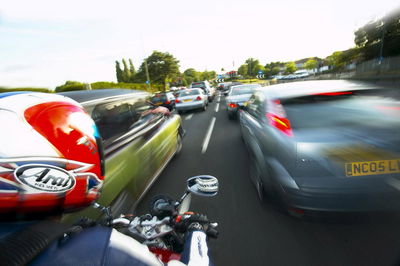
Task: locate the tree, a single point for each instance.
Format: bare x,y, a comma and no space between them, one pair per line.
125,72
243,69
118,71
253,65
379,38
275,70
191,75
162,67
311,64
132,71
335,60
290,67
207,75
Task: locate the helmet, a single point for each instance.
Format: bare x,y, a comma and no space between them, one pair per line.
51,160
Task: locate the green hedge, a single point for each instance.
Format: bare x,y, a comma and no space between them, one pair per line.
121,85
4,89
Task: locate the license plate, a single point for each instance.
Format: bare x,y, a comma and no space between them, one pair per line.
188,100
373,168
158,103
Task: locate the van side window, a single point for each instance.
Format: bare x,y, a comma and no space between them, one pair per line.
117,117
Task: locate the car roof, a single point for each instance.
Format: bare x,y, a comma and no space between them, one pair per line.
194,89
245,86
303,88
90,95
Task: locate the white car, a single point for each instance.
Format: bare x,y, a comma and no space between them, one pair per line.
301,74
191,99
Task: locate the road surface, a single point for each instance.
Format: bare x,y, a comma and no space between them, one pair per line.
256,234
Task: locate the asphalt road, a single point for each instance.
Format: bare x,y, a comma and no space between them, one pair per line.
256,234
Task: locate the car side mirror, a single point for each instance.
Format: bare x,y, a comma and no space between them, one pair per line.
244,106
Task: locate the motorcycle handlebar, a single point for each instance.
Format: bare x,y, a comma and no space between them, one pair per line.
213,233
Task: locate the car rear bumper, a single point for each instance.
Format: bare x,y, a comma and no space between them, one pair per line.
375,198
189,106
341,202
232,110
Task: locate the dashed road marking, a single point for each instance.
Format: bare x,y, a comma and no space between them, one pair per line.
217,107
208,136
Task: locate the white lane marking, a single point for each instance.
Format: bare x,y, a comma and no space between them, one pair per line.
217,108
189,117
208,135
219,98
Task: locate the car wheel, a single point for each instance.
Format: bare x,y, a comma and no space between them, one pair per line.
179,145
204,107
180,112
255,175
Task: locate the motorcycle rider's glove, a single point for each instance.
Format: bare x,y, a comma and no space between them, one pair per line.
192,222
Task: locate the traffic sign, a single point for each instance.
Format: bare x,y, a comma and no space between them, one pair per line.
220,80
261,76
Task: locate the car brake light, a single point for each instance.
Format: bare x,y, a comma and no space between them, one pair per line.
168,102
177,101
198,98
232,105
276,116
333,93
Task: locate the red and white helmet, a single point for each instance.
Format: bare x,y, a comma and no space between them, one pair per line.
50,155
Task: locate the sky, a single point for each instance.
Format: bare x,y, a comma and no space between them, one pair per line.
44,43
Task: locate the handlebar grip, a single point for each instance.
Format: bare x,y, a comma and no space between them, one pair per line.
213,233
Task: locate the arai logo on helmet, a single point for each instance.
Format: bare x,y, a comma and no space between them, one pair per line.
46,178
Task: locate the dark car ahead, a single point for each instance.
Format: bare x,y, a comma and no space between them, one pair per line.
166,99
138,143
325,145
228,87
237,97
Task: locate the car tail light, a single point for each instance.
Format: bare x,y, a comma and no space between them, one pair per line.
276,116
168,102
232,105
198,98
333,93
177,101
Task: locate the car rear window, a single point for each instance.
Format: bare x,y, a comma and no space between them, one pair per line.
198,85
240,91
188,93
352,109
158,98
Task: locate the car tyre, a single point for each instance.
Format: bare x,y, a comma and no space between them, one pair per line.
204,108
256,179
180,112
179,145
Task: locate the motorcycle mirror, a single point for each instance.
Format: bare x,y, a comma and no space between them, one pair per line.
203,185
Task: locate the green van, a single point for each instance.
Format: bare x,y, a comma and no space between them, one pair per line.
137,144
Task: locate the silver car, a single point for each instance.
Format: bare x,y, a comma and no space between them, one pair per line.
319,146
237,96
191,99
